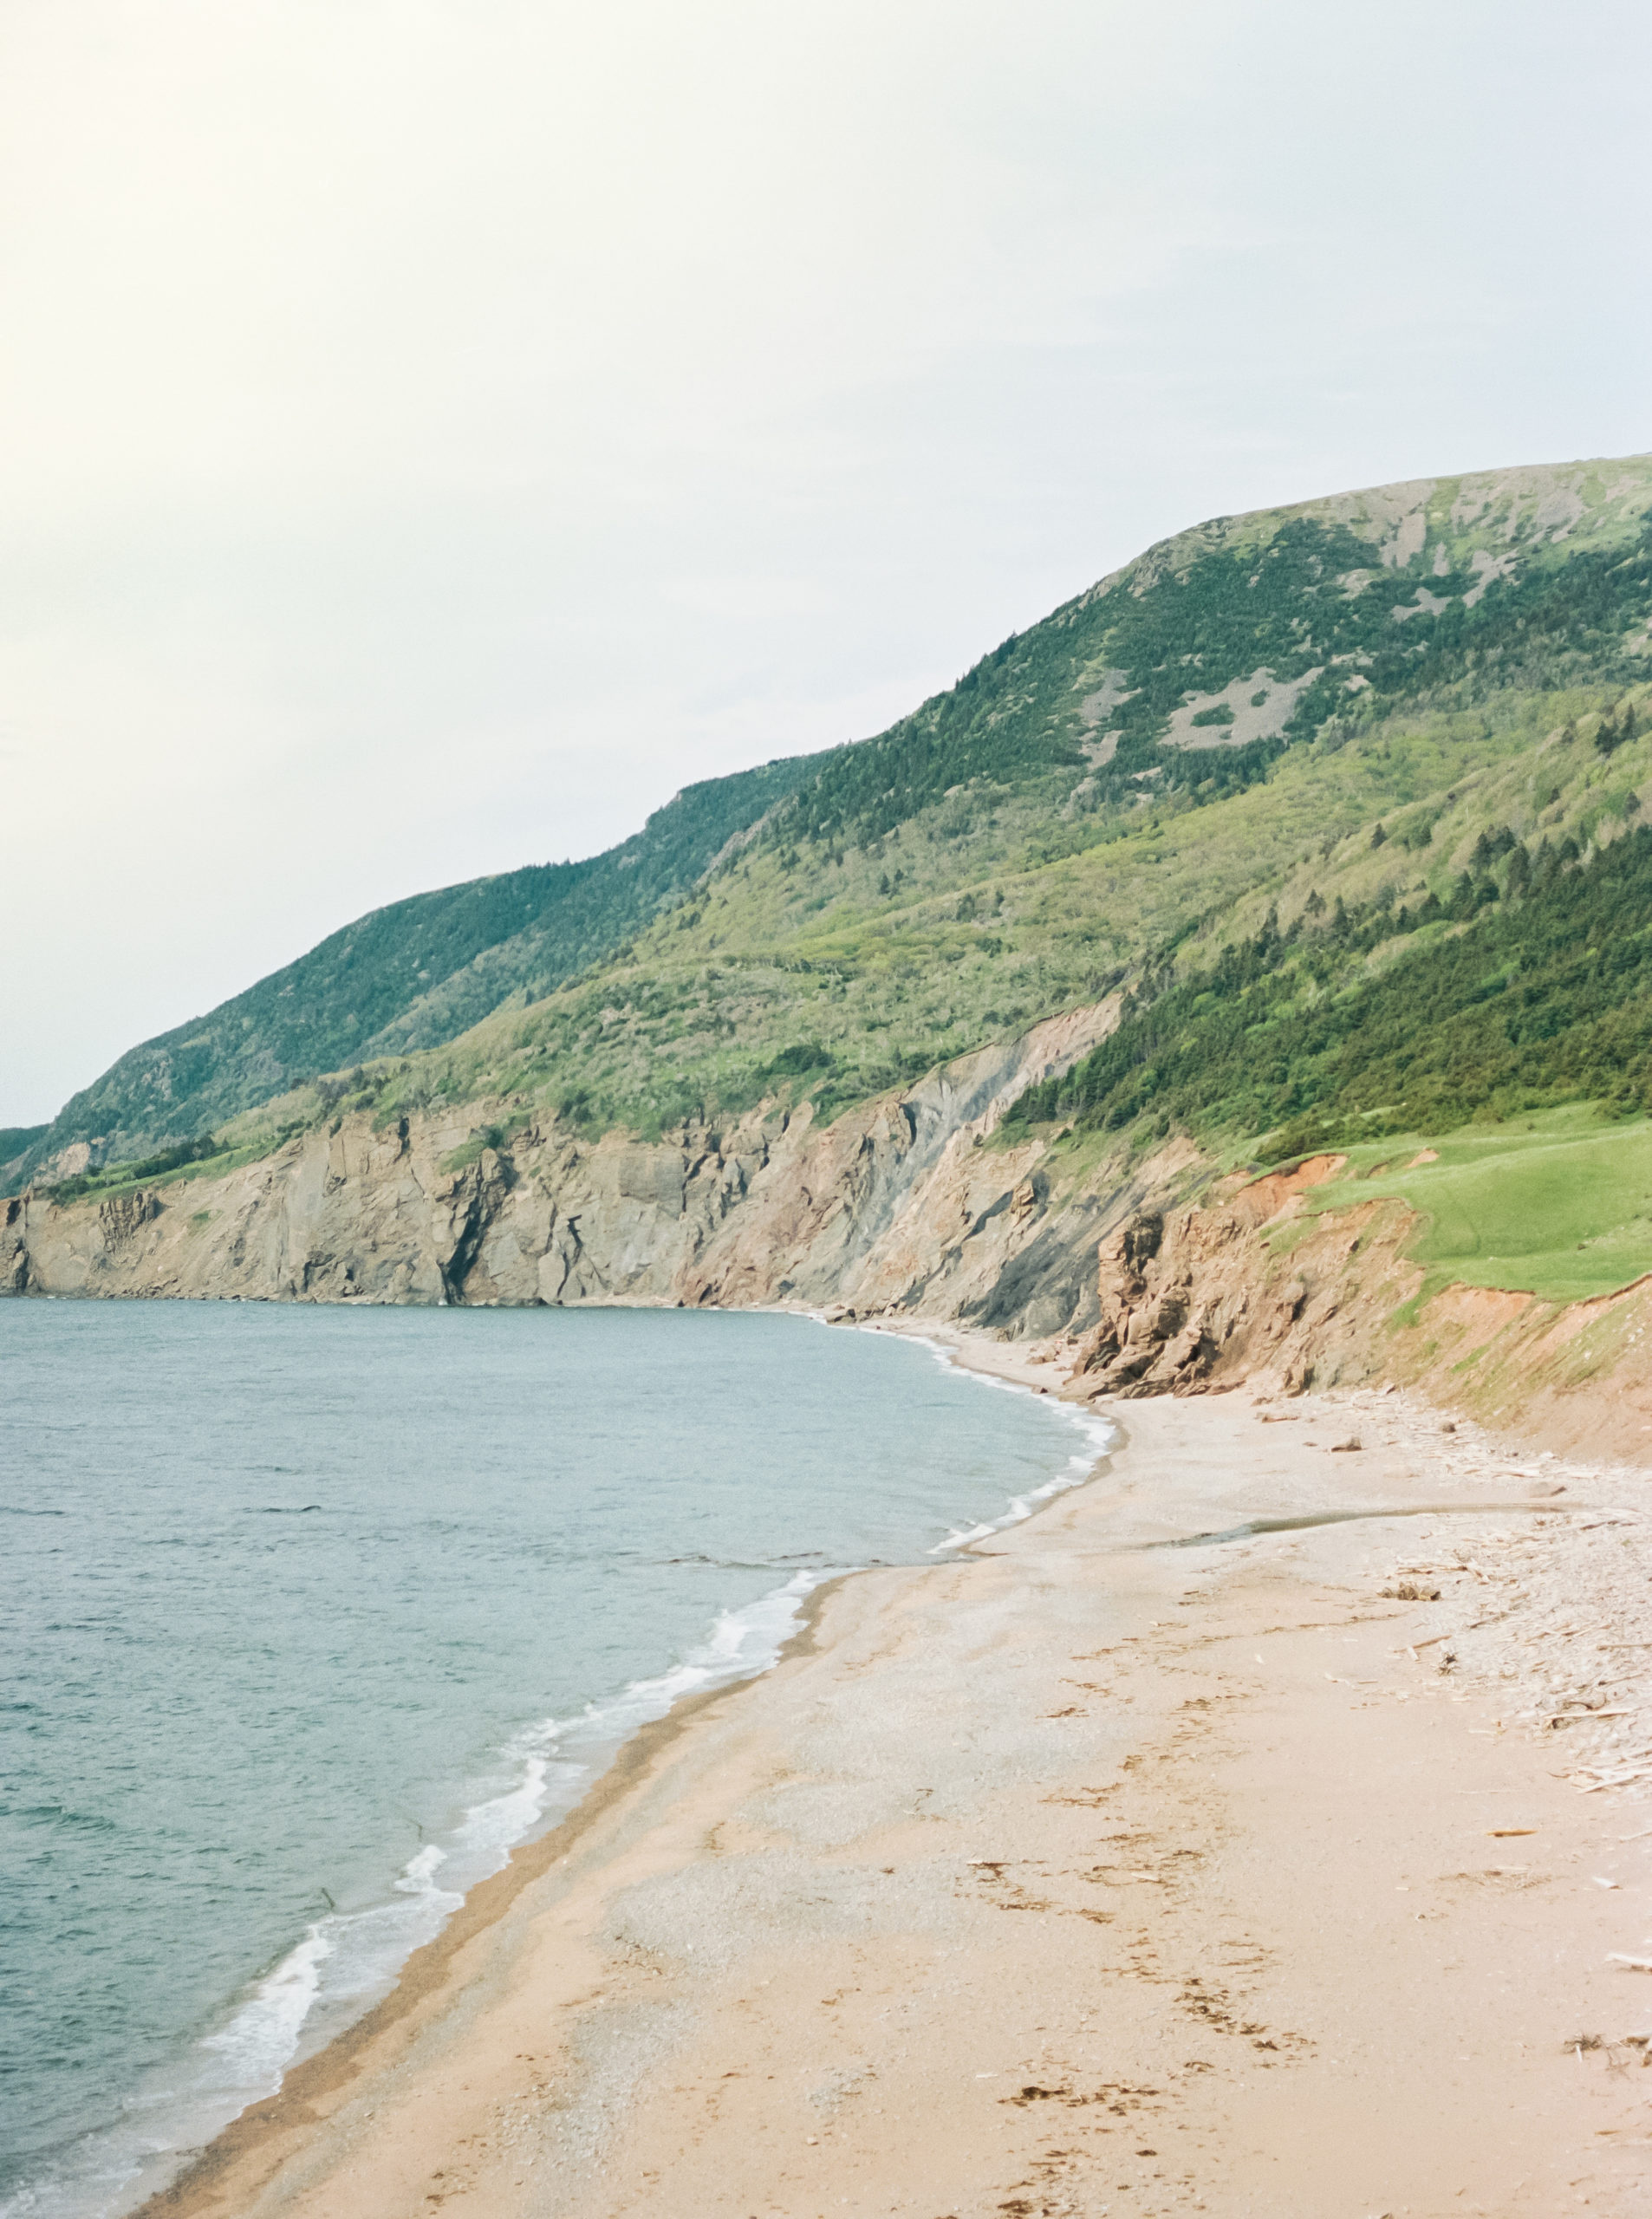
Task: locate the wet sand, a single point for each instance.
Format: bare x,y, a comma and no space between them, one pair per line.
1083,1875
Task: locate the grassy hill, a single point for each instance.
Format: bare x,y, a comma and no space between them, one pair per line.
1338,793
1556,1202
403,978
1033,838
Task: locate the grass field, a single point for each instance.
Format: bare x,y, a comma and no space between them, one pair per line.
1556,1204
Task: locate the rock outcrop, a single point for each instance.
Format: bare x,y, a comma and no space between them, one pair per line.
1192,1296
893,1206
1249,1284
1142,1274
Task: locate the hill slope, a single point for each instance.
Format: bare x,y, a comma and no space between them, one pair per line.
1108,783
405,977
1326,740
1219,728
1252,850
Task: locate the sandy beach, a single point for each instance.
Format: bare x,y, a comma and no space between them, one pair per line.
1300,1870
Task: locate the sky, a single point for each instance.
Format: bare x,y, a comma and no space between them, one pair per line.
432,432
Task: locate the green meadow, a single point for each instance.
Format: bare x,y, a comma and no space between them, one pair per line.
1556,1204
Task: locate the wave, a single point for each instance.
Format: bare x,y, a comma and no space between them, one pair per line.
1100,1436
347,1960
349,1956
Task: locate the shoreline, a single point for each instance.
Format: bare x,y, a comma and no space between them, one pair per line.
316,2071
425,1972
544,2054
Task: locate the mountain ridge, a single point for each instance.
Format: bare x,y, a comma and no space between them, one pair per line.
1246,710
470,948
1244,974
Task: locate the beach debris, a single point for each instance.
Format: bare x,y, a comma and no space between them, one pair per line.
1601,1883
1629,1964
1409,1591
1508,1833
1345,1448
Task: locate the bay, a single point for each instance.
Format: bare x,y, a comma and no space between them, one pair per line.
309,1614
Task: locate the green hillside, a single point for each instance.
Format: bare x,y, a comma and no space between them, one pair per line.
1523,981
1031,839
405,977
1380,747
17,1140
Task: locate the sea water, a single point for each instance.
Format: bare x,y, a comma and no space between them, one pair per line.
308,1615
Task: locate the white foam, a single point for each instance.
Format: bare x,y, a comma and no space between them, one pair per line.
260,2039
741,1644
349,1957
1099,1435
490,1830
341,1958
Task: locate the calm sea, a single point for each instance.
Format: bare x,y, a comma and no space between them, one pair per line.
308,1614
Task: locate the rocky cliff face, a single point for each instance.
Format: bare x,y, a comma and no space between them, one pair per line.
1193,1297
1247,1285
894,1206
901,1209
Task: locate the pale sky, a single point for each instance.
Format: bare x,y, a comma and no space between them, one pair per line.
433,431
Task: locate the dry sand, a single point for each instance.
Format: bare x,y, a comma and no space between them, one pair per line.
1082,1874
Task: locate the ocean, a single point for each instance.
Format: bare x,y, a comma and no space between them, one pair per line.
308,1614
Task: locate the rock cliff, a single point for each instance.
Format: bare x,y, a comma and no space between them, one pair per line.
892,1207
1144,1274
1247,1284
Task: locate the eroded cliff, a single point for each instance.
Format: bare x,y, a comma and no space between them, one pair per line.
1249,1283
1143,1273
892,1207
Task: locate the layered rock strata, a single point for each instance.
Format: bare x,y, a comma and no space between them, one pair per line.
892,1207
1143,1275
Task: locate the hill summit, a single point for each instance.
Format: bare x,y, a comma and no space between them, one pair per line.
1103,800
